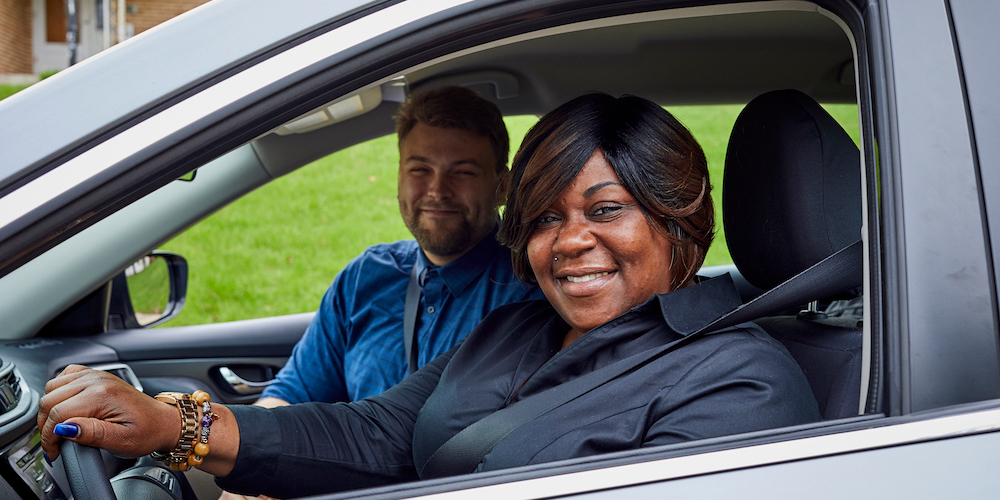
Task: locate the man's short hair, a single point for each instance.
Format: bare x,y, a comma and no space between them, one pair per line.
456,108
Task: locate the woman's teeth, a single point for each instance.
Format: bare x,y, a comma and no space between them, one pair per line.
584,279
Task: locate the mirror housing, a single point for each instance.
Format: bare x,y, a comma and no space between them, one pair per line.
149,292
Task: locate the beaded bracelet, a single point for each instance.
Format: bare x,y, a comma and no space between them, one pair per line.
201,449
190,450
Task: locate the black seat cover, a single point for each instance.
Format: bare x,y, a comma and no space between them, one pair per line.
791,197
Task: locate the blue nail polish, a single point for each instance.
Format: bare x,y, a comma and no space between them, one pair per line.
67,430
46,455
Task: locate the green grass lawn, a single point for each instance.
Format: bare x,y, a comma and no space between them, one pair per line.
7,90
276,250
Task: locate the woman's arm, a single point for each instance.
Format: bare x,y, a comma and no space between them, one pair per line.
312,448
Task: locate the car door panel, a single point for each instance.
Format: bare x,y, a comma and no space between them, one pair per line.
187,357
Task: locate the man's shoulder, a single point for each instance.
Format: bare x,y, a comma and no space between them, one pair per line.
378,265
398,254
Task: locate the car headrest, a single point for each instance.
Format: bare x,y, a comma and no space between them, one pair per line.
791,193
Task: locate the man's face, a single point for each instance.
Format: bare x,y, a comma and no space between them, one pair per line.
447,190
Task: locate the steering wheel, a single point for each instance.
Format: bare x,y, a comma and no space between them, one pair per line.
85,471
89,481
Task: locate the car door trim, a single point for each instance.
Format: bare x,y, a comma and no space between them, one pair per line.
573,483
104,156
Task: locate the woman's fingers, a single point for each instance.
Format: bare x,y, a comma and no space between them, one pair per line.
67,376
117,438
95,408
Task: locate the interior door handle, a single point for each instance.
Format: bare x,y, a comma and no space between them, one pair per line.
241,385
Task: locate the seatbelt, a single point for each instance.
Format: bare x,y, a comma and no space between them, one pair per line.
464,451
410,318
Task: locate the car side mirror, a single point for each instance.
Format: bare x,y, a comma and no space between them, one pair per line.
149,292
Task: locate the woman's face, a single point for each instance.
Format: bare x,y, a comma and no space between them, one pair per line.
593,252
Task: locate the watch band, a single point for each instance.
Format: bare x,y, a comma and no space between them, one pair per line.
188,409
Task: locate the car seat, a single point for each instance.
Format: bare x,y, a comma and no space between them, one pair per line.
791,197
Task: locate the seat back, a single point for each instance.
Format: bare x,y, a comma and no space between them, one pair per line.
791,197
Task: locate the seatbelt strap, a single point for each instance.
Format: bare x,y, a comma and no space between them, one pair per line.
410,319
464,451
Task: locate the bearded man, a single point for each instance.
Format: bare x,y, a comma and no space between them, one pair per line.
453,149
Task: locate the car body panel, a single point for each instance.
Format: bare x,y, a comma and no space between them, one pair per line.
932,137
976,40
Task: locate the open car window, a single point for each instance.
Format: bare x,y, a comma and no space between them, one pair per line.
296,233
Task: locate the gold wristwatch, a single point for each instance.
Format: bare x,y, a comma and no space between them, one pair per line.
189,431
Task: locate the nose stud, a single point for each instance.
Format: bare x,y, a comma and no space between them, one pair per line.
557,259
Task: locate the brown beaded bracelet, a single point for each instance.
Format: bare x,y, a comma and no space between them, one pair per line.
201,448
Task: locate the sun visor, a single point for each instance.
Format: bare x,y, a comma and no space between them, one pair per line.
347,108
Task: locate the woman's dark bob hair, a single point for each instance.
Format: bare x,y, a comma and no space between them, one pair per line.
655,157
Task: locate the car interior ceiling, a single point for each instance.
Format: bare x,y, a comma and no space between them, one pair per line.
672,61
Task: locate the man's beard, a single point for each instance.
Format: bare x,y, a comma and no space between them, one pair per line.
442,241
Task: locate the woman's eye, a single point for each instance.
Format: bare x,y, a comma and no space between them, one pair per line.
545,219
606,210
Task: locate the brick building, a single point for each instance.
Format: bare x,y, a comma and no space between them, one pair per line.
33,33
15,26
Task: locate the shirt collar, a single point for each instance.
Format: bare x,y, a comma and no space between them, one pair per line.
689,309
460,273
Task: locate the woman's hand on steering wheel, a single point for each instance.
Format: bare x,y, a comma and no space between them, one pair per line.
98,409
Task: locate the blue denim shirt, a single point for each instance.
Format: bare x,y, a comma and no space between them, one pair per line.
354,346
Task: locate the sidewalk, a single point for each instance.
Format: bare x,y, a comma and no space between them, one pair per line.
18,79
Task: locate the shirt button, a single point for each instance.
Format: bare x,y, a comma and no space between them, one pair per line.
430,309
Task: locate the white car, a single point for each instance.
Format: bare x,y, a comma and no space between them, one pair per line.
245,91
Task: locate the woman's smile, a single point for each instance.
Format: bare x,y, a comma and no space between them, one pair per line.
584,279
585,284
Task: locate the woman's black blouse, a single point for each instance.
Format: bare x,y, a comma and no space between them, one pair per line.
735,380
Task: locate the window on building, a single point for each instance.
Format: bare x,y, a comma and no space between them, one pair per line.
55,21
